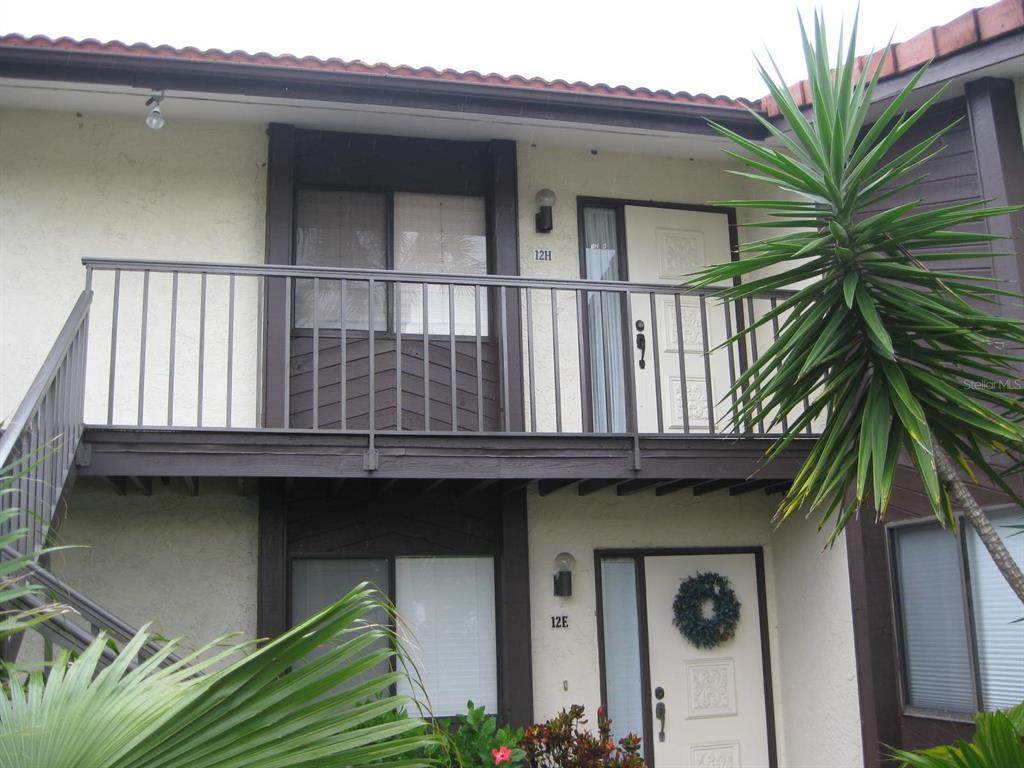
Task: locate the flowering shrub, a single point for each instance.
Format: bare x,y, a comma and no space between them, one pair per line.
562,743
477,742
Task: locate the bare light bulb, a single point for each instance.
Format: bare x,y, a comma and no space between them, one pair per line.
155,118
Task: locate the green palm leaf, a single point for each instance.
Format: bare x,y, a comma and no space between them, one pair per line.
257,710
898,359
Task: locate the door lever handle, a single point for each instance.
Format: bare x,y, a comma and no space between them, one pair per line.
659,712
641,343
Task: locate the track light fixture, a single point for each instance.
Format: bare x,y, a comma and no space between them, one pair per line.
155,118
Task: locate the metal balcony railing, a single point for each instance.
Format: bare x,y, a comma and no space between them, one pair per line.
187,345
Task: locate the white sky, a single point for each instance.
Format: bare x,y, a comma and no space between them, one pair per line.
692,45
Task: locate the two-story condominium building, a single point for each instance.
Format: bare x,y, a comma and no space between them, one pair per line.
296,324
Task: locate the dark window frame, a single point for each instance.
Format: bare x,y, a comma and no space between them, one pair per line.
487,314
892,530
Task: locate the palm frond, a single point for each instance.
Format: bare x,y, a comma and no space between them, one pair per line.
898,359
274,706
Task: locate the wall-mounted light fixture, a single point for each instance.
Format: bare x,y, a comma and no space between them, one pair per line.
564,563
545,200
155,118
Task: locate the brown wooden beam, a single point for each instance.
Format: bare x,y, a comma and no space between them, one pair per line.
588,487
547,487
778,487
674,486
747,487
630,487
711,486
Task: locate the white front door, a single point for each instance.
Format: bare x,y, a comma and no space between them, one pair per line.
714,699
665,246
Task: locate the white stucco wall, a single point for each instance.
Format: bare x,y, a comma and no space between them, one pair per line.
185,563
808,604
75,185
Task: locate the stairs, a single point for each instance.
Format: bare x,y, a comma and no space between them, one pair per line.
37,456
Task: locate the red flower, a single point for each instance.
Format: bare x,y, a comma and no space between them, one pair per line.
502,755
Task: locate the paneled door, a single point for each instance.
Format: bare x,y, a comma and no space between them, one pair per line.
663,247
707,706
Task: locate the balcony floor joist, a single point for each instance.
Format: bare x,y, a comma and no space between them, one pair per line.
116,451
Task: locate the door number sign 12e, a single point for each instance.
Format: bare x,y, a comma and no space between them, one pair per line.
559,622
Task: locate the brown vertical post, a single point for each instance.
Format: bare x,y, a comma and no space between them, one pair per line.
873,638
272,573
280,223
514,654
995,129
503,227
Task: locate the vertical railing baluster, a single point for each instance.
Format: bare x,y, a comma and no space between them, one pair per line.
171,348
632,410
370,287
753,350
231,349
684,395
707,364
656,358
202,348
479,362
581,341
343,352
316,353
426,359
113,346
506,406
605,336
530,344
398,357
142,346
451,358
554,354
738,427
774,303
286,404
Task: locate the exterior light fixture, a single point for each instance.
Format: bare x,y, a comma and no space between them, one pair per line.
564,563
545,200
155,118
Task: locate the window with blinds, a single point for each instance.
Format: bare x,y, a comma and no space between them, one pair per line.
961,642
437,234
446,611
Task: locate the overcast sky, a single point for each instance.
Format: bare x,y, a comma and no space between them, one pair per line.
690,45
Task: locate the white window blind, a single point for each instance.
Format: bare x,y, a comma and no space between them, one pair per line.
340,229
1000,638
441,234
447,607
318,582
621,646
937,658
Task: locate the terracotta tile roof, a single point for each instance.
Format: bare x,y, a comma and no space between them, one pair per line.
971,28
356,67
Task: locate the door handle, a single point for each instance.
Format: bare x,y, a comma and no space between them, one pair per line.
641,343
659,712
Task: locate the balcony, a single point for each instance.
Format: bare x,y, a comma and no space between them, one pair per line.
461,376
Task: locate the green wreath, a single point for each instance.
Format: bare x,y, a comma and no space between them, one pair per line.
688,610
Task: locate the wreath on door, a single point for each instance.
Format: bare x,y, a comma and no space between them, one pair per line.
688,609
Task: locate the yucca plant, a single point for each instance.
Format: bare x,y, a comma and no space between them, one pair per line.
898,358
998,743
261,710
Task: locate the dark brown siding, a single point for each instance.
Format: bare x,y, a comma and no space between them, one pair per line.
386,380
983,159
